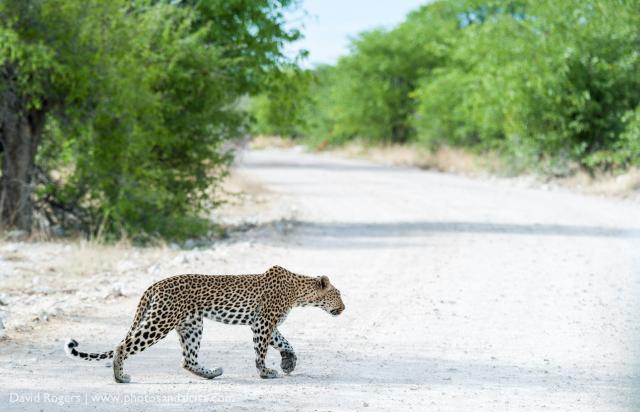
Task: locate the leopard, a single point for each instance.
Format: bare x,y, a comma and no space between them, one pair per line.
180,303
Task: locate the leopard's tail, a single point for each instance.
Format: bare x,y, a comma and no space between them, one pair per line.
72,344
71,350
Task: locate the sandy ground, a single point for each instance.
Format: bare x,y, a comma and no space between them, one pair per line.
461,295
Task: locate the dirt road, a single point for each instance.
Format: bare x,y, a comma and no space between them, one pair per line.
461,295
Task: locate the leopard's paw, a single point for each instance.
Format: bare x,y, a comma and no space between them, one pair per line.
267,373
288,363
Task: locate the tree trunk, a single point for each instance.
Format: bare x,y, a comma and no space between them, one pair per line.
20,134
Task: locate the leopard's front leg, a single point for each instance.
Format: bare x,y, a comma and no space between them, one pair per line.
288,363
262,331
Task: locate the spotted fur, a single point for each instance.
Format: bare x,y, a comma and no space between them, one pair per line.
181,302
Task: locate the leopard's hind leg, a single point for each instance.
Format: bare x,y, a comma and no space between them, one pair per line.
153,325
190,333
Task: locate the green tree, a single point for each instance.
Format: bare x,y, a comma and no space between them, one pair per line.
369,94
372,86
279,110
547,83
541,80
132,99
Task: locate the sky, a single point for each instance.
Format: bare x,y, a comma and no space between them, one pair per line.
328,24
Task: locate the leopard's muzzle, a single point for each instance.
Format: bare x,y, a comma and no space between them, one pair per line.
336,312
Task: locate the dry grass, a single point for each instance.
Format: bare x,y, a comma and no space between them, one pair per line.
605,184
444,159
454,160
240,195
55,263
264,142
87,258
43,280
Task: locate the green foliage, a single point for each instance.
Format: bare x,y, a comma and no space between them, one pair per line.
551,81
321,111
140,96
372,86
250,35
368,93
279,110
545,82
626,151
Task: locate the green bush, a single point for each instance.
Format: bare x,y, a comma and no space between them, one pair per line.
551,81
136,98
279,110
370,89
546,83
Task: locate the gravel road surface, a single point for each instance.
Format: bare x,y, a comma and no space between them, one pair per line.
461,295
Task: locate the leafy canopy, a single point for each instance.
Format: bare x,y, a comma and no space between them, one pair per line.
545,82
140,96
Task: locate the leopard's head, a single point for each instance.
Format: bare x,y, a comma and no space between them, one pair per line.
326,296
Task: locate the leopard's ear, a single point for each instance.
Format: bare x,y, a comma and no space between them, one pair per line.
323,282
